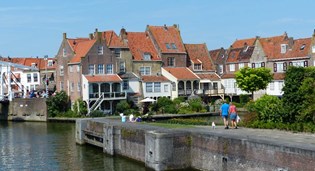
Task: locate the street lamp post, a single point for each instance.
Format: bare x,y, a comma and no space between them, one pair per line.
46,80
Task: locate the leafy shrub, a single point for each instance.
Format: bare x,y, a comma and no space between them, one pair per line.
80,107
97,113
244,99
122,106
57,104
170,109
195,104
268,109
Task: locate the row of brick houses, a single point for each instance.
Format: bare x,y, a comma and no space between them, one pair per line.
104,68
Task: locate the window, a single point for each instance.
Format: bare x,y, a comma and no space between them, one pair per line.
145,70
258,64
272,85
61,71
35,77
157,87
122,67
29,78
100,69
70,68
171,61
117,53
167,45
283,48
148,87
33,65
165,88
241,65
298,63
79,86
220,69
50,63
109,69
61,85
64,52
279,67
100,50
215,86
78,68
197,67
91,69
71,86
313,49
126,85
173,46
232,67
173,86
302,47
147,56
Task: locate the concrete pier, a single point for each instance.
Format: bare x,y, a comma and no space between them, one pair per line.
200,147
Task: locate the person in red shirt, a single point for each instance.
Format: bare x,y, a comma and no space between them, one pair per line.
233,115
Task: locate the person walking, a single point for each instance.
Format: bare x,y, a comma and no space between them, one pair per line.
224,112
233,115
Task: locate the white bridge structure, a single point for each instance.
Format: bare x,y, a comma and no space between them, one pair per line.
6,93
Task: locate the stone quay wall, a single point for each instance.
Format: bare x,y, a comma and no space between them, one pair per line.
170,149
20,109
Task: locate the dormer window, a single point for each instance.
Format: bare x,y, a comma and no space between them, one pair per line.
174,46
147,56
302,47
168,46
283,48
50,63
33,65
100,50
197,67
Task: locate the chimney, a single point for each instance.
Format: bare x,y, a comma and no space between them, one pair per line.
64,35
165,27
291,42
96,34
175,25
123,33
314,33
91,36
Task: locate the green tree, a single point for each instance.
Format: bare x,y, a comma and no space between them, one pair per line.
122,106
253,79
292,97
57,104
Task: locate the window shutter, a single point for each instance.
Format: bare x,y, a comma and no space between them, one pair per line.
305,63
263,64
284,66
274,67
253,65
290,63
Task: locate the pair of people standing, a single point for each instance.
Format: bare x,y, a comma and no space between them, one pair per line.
227,110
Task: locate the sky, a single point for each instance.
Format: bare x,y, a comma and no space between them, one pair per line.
31,28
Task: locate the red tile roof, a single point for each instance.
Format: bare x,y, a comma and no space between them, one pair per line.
228,76
272,45
209,76
112,40
40,63
198,53
182,73
154,78
80,48
167,35
218,55
236,55
139,44
103,78
278,76
241,43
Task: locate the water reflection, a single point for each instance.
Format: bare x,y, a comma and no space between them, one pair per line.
51,146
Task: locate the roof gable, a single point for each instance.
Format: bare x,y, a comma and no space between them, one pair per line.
140,44
112,40
81,48
198,53
167,38
244,42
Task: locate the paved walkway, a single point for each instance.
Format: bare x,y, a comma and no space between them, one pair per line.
305,140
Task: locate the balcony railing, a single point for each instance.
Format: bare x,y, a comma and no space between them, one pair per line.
109,95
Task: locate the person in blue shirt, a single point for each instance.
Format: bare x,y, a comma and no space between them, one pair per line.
224,112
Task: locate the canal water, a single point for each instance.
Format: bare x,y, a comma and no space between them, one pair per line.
51,146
